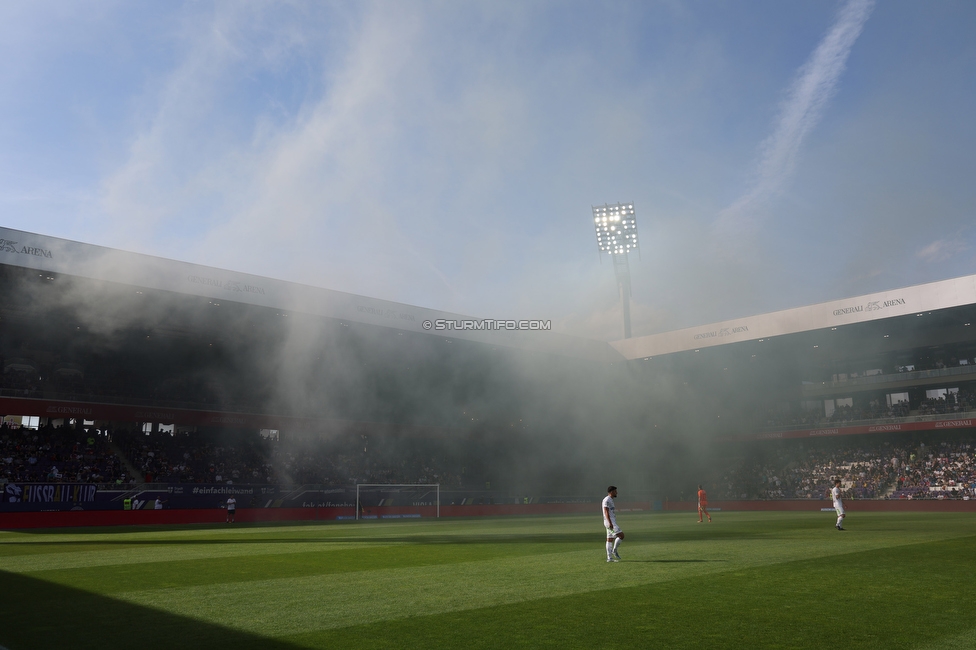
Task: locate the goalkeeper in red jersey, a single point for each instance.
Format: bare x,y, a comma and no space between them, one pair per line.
703,505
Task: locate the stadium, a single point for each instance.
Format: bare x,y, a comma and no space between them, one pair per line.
180,360
487,325
140,394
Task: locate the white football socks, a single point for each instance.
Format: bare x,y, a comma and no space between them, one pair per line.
616,543
609,549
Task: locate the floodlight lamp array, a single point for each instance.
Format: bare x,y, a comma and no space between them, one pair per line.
616,228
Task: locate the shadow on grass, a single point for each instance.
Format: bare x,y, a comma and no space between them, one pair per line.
673,561
442,540
39,614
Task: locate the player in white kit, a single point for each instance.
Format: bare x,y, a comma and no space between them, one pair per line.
614,534
838,504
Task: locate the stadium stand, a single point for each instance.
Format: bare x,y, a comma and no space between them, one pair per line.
172,370
913,467
57,454
52,454
187,458
869,468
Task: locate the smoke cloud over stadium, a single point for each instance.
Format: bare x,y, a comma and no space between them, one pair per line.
447,157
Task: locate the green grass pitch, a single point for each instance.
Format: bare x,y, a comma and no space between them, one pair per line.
748,580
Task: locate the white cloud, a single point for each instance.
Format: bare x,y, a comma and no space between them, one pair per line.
161,177
316,187
446,155
942,250
808,95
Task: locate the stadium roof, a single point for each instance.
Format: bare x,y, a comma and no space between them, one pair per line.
62,256
907,301
55,255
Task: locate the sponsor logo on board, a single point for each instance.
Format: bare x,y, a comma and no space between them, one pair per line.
825,432
386,313
721,333
949,424
227,285
873,305
8,246
68,410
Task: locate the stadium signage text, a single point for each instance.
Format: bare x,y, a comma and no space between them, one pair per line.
948,424
8,246
50,493
725,331
228,419
385,313
825,432
230,285
223,490
69,410
873,305
156,416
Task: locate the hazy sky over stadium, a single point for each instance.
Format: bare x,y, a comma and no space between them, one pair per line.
446,154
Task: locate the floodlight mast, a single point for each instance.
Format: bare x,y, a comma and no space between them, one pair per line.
621,268
616,234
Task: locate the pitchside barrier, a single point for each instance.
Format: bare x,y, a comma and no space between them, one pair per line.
55,519
47,505
49,497
816,505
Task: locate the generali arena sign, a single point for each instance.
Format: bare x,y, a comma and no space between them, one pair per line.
966,423
899,302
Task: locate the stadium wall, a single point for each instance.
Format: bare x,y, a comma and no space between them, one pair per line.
934,423
56,409
815,505
82,518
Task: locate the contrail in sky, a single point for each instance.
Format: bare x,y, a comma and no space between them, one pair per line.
811,90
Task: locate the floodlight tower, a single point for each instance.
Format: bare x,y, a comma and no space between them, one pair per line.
616,233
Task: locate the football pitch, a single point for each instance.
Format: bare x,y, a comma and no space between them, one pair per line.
748,580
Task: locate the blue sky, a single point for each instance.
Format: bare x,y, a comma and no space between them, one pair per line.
446,154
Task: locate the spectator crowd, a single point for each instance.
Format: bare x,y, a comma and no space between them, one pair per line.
869,469
63,454
876,409
77,454
937,465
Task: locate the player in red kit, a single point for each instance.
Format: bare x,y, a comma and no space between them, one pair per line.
703,505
